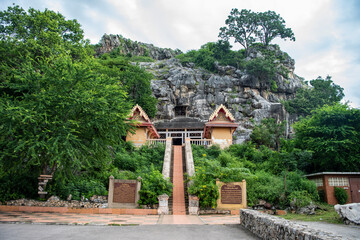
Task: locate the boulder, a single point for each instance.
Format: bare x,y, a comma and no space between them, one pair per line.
350,213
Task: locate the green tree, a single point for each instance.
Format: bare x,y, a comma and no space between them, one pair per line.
321,92
271,25
56,110
242,26
268,133
332,133
246,27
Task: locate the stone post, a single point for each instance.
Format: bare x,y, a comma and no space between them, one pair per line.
138,188
193,205
163,208
111,191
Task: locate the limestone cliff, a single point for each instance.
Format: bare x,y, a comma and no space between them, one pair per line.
247,97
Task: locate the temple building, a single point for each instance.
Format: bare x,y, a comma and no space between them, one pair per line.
217,130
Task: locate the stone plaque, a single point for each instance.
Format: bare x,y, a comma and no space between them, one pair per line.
231,194
124,192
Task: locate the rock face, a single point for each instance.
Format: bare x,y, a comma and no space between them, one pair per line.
350,213
247,97
126,47
202,92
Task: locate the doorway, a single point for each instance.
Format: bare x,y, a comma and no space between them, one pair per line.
355,189
177,141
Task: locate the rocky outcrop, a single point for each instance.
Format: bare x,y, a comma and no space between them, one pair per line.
201,92
249,98
126,46
350,213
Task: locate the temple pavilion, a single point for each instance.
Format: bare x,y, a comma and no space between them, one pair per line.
217,130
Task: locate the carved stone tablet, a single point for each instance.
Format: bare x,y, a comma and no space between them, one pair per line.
124,192
231,194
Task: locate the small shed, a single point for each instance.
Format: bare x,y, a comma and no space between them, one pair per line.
326,181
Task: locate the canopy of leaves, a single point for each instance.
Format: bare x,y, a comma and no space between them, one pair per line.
60,108
212,52
268,133
332,133
321,92
246,27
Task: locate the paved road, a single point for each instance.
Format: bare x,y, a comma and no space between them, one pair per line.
346,231
153,232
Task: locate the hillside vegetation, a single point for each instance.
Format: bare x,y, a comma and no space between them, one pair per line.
64,112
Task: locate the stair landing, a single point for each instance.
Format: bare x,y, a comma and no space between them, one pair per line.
178,189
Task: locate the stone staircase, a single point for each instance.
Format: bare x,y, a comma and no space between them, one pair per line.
178,196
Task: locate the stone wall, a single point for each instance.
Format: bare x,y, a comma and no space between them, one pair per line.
270,227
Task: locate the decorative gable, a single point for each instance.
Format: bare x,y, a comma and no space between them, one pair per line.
138,114
221,114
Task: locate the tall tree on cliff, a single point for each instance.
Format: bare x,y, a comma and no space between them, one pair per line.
246,27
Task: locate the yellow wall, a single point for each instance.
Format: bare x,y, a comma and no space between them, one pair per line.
221,136
139,137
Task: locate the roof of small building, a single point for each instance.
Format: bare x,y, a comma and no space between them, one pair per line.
226,111
332,173
180,123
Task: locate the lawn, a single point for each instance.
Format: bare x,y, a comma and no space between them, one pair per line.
327,214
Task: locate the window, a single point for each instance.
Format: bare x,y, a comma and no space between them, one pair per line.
180,111
318,182
338,181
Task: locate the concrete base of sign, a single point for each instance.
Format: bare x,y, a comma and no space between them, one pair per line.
232,196
123,193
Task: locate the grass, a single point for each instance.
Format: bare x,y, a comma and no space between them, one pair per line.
327,214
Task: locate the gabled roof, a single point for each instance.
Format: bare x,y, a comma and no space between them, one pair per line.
212,123
223,109
141,112
146,118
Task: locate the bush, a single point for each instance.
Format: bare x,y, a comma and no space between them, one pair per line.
300,199
340,195
153,185
78,188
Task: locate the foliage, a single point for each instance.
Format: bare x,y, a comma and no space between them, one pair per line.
299,199
81,187
242,26
341,195
262,68
268,133
332,133
61,110
325,213
272,26
321,92
212,52
263,169
153,185
135,80
246,27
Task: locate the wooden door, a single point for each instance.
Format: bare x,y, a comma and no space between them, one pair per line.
355,189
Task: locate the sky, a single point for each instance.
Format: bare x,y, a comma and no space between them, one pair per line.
327,31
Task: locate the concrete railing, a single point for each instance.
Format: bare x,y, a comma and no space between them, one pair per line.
203,142
167,159
190,170
155,141
270,227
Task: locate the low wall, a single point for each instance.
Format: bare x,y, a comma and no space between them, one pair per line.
5,208
190,168
270,227
167,159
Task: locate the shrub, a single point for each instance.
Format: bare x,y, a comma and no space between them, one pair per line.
340,195
300,199
153,185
